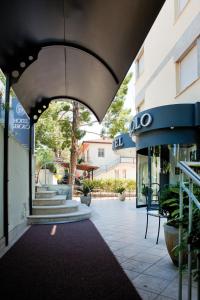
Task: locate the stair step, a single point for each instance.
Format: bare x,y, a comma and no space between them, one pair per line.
45,194
42,188
68,207
56,200
83,213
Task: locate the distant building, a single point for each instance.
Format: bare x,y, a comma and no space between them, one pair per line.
111,164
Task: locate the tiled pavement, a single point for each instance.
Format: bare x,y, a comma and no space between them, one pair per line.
147,265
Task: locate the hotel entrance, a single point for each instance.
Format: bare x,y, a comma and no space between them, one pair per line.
161,143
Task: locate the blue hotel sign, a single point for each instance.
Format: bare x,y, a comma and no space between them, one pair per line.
19,123
122,141
118,142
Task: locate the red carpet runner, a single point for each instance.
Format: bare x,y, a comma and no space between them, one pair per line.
65,261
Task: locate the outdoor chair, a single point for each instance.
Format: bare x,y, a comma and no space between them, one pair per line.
152,206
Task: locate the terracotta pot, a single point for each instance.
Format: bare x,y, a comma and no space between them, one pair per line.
86,200
171,240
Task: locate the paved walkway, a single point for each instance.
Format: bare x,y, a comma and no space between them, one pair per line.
147,265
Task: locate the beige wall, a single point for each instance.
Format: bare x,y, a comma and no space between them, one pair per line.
169,38
18,184
1,181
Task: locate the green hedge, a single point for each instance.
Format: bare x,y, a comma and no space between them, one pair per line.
110,185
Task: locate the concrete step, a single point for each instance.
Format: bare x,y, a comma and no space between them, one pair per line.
41,188
56,200
83,213
45,194
70,206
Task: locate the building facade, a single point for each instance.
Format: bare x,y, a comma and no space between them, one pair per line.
168,64
111,164
167,95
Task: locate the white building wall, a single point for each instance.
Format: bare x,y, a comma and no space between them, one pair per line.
99,161
18,185
162,82
119,168
170,38
46,177
1,181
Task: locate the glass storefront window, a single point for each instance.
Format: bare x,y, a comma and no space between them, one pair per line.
181,153
2,97
159,167
2,114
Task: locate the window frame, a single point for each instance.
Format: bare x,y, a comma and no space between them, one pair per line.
179,11
138,58
180,90
100,152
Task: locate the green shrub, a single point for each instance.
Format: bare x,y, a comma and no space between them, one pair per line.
85,189
110,185
51,167
120,189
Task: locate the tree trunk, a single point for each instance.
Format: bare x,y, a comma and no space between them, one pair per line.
74,145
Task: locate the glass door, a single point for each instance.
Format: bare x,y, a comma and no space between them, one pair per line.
154,174
142,179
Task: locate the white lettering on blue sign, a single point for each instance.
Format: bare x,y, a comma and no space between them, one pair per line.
21,126
140,121
118,142
20,110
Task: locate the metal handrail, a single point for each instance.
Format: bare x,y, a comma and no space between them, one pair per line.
187,170
193,177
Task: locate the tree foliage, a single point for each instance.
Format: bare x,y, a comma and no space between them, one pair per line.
59,128
47,129
44,155
118,117
54,127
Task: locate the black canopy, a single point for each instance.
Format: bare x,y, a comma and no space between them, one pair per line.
75,49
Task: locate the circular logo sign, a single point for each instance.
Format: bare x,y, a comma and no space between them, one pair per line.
19,110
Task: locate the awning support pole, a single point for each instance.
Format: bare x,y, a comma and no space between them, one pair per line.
30,166
6,160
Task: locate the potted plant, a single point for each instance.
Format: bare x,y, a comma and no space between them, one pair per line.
121,191
86,193
169,206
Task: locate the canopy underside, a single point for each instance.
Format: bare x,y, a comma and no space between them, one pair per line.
76,49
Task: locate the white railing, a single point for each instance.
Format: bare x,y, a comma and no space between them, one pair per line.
107,167
127,160
193,178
